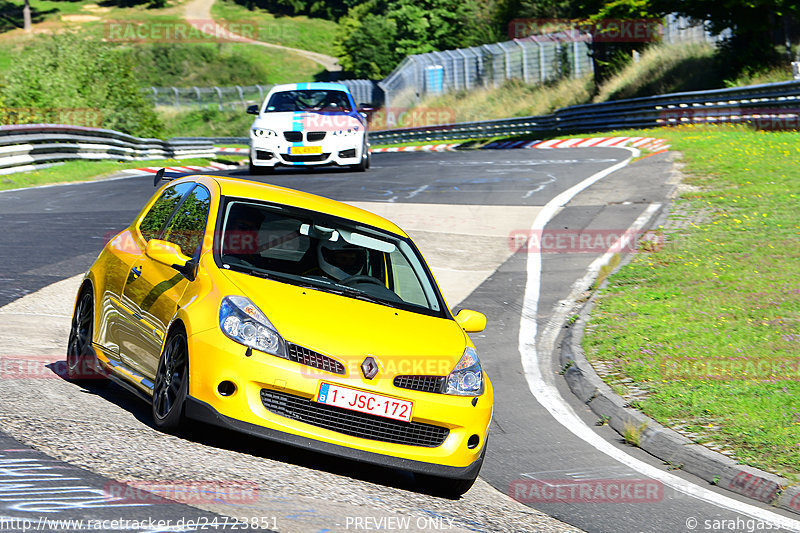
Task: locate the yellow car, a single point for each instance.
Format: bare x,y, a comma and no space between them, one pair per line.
288,316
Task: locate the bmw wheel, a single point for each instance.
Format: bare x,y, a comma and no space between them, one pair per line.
172,383
364,164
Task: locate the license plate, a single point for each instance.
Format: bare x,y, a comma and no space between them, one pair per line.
299,150
365,402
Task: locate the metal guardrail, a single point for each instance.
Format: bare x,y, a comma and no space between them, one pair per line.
31,146
770,106
773,105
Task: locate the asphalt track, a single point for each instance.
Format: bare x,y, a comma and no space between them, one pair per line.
53,233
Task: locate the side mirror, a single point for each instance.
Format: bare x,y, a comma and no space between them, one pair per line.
365,110
168,253
252,109
471,321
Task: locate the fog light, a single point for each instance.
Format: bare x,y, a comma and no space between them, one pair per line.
226,388
263,155
473,442
347,154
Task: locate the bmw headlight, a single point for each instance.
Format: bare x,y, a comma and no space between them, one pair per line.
243,322
258,132
466,379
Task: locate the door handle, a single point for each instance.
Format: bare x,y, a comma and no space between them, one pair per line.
136,272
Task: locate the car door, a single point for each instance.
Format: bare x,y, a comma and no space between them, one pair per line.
125,251
152,290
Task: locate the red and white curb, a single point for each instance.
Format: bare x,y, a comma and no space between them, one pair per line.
651,144
229,150
188,169
423,148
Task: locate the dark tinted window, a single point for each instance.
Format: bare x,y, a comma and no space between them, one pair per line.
309,100
188,226
153,222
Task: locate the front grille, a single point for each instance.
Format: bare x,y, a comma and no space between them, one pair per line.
305,158
293,136
314,136
307,357
352,423
421,383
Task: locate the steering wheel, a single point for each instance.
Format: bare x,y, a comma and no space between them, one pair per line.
361,278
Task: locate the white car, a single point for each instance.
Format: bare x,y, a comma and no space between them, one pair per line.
308,124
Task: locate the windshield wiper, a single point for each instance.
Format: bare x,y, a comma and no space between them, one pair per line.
359,295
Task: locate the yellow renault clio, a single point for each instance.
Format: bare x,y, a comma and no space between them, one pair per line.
288,316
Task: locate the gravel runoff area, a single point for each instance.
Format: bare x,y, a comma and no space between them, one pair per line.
108,431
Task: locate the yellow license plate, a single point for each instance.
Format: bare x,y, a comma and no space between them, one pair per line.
299,150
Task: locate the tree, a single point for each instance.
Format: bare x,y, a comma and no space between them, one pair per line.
376,35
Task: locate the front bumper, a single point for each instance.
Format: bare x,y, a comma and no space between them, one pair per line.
199,410
214,358
271,153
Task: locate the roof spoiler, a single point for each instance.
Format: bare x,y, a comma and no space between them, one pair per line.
160,177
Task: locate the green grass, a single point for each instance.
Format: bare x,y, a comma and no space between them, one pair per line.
664,69
685,321
206,123
301,32
185,63
82,171
512,99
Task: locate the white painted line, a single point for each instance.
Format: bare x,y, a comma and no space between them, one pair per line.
547,394
416,191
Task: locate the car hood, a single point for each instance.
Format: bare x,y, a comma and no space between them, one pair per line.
307,121
351,328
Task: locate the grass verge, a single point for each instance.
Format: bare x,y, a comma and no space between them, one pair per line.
83,171
709,324
205,123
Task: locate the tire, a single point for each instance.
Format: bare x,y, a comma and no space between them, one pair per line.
172,383
81,359
259,171
364,164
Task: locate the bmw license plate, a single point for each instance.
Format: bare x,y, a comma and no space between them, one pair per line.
305,150
365,402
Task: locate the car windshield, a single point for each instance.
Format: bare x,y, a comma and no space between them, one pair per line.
308,100
314,250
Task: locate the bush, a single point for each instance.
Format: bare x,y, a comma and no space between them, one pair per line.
200,64
71,71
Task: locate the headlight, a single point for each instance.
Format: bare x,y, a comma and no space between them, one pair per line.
243,322
466,379
258,132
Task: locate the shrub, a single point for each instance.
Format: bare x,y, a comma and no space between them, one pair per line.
73,71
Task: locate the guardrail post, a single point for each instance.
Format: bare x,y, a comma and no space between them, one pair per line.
177,98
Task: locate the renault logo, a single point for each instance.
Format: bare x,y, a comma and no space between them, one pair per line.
369,367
